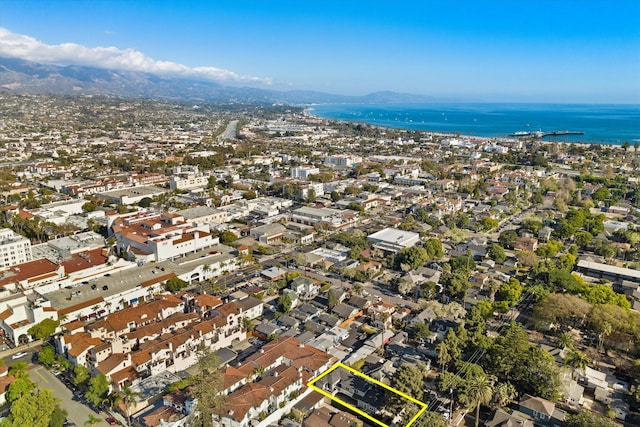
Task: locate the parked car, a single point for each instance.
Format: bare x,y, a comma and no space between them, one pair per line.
19,355
111,421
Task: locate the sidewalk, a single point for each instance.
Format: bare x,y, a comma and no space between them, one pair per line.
11,351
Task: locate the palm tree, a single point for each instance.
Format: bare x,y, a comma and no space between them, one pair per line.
606,331
92,421
444,355
577,360
478,391
358,288
565,340
128,397
503,395
113,399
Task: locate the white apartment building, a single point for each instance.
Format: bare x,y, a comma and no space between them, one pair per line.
186,177
342,160
147,236
303,172
14,248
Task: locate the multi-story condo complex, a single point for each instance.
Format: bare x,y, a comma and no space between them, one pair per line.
187,177
14,248
303,172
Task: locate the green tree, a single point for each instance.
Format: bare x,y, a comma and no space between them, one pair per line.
577,360
332,300
33,410
98,389
145,202
488,224
550,249
464,262
19,369
357,289
587,419
211,183
284,303
227,237
456,284
434,248
58,417
497,253
512,358
247,324
175,284
92,421
421,330
80,375
430,419
601,194
89,206
128,398
311,195
19,388
47,356
565,340
510,292
560,309
412,257
44,329
207,387
477,391
508,238
503,395
408,379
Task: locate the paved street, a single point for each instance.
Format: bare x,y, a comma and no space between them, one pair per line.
29,357
78,413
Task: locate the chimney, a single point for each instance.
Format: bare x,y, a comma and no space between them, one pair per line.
262,351
301,345
275,374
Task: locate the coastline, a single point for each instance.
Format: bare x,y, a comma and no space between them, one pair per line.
570,132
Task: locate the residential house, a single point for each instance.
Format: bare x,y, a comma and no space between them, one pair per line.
306,287
267,379
542,411
502,418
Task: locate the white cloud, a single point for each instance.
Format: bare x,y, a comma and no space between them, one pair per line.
31,49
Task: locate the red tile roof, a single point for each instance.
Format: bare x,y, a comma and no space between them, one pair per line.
28,270
84,260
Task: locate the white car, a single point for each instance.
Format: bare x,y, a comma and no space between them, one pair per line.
19,355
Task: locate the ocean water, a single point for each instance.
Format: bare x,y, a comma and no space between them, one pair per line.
601,124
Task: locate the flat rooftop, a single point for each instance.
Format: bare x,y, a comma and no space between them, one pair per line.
198,212
134,191
394,236
125,278
56,249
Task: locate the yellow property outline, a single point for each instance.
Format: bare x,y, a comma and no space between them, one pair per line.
312,385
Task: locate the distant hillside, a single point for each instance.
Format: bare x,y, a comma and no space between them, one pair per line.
20,76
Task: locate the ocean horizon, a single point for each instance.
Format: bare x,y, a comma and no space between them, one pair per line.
601,123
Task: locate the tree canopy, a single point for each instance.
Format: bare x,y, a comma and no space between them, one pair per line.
44,329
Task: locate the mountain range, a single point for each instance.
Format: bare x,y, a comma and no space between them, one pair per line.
21,76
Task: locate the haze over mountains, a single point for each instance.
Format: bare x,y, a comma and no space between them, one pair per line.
21,76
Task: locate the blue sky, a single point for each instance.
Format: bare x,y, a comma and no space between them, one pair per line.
523,51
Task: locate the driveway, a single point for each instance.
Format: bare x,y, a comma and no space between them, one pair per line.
77,412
